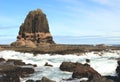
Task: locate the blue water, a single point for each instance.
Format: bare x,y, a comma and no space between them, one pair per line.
87,40
72,40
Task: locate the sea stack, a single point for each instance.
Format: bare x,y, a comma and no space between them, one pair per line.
34,31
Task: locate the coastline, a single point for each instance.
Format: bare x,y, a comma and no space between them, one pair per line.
60,49
46,58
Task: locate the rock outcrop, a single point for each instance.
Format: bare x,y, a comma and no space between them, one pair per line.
11,70
44,79
34,30
79,70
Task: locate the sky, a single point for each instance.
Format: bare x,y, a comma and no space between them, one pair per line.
65,17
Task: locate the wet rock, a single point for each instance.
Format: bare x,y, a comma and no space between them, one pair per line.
46,64
2,59
118,69
12,66
44,79
15,62
29,64
101,79
79,70
38,81
8,73
12,77
87,60
30,80
69,66
85,71
25,71
114,78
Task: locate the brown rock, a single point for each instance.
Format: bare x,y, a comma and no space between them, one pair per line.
9,78
44,79
15,62
2,59
25,71
118,68
46,64
79,70
34,30
69,66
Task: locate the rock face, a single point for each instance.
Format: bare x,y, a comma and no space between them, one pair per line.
44,79
79,70
11,70
34,30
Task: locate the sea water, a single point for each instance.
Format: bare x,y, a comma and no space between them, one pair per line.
103,62
8,39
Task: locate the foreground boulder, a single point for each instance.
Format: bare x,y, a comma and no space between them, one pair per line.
118,68
34,31
8,73
12,77
11,70
79,70
101,79
44,79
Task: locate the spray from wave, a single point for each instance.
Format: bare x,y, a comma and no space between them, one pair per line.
103,62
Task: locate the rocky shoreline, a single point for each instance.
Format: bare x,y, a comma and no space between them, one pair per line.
16,68
61,49
12,70
34,37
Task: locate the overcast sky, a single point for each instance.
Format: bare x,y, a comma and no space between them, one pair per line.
65,17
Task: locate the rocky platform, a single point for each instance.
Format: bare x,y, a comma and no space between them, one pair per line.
61,49
11,70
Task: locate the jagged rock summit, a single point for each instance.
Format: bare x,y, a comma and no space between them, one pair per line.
34,31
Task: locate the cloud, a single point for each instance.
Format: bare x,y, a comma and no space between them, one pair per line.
94,19
101,1
110,3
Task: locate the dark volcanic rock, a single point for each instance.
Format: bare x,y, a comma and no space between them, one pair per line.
25,71
46,64
16,62
118,71
8,73
69,66
9,78
2,59
44,79
34,30
79,70
118,68
30,80
101,79
12,69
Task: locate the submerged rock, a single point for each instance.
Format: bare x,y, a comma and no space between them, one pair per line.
34,31
102,79
2,60
46,64
44,79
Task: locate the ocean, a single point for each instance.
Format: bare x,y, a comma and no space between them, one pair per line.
103,62
112,40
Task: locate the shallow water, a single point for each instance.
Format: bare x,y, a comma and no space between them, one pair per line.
103,62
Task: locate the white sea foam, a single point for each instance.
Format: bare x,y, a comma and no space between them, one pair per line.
102,62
